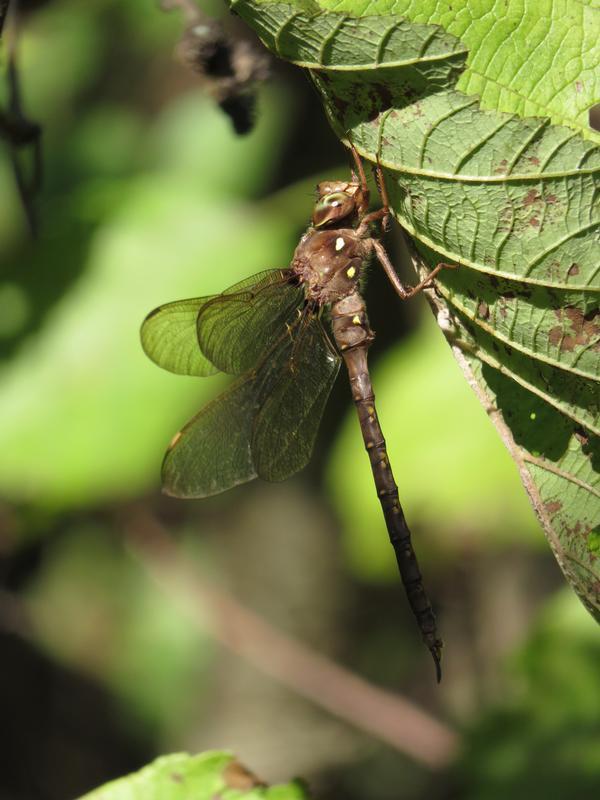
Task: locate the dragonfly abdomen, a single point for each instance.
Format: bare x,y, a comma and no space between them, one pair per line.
353,336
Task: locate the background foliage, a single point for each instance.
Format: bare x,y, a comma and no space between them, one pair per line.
149,197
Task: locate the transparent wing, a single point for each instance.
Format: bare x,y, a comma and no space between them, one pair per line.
212,453
264,425
169,338
226,332
237,328
292,398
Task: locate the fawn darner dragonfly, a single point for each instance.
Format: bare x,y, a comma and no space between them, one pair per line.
284,334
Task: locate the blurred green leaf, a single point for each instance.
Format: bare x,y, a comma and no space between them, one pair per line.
203,777
86,416
61,51
93,609
542,739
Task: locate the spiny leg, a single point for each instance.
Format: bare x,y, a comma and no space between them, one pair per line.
399,287
382,214
382,188
360,169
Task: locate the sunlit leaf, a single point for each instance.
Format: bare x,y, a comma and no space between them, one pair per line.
203,777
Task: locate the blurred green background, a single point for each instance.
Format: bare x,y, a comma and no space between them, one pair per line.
149,197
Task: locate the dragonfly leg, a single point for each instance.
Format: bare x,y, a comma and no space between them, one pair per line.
401,290
381,186
360,169
374,216
426,282
382,213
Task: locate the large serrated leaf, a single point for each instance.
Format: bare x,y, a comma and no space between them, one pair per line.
512,200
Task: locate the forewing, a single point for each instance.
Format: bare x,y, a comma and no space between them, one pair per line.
212,452
236,329
292,400
169,338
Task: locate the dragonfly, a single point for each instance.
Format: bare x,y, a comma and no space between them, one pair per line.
284,333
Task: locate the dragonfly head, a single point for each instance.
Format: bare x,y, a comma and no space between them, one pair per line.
338,201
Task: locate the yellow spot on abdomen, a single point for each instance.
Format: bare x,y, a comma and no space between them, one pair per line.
351,272
356,320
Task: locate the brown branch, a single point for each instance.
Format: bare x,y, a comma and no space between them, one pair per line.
393,719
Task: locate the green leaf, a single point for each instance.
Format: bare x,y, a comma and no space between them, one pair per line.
204,777
530,57
511,199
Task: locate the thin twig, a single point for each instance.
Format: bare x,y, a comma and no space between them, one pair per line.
3,10
22,135
392,719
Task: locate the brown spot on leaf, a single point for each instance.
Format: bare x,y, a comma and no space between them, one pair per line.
573,270
582,438
552,506
576,330
237,776
552,199
176,777
534,222
534,160
501,168
578,86
555,335
483,310
531,197
503,301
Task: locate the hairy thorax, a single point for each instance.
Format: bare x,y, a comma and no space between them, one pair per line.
329,262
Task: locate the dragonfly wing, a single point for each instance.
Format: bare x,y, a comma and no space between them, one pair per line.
291,403
237,328
212,452
264,425
169,338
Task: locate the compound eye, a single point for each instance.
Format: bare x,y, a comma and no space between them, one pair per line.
332,208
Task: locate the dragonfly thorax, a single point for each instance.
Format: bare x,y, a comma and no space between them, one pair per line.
329,263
